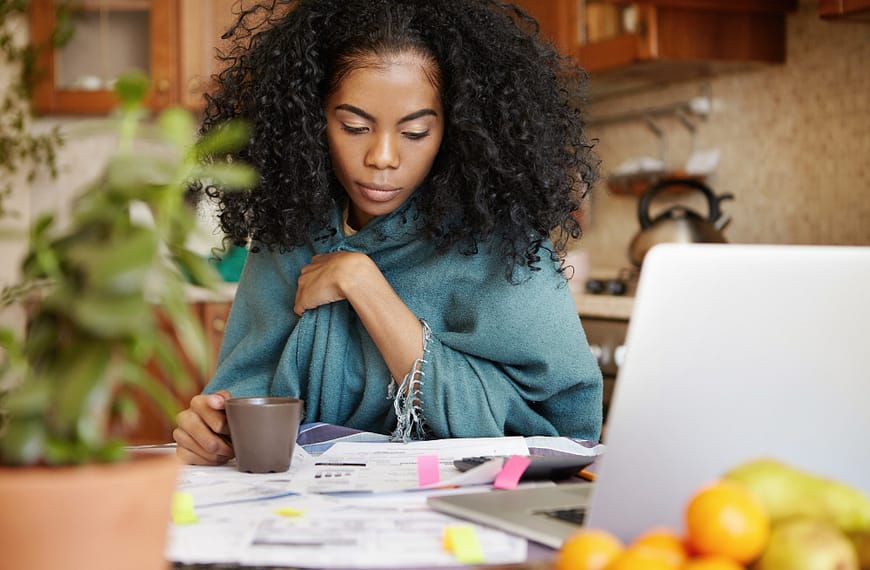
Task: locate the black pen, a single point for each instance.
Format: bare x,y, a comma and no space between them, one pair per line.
342,464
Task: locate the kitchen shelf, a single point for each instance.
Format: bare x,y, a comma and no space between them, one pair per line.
663,41
617,307
845,9
680,40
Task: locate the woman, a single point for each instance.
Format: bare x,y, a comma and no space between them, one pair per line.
415,157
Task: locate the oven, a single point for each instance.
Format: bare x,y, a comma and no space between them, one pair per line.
606,338
604,304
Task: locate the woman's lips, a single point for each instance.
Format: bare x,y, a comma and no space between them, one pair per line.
378,193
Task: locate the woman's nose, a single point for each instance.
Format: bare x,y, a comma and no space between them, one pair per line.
384,153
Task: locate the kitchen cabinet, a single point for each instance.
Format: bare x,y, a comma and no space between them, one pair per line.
152,426
845,9
173,41
633,46
558,20
202,23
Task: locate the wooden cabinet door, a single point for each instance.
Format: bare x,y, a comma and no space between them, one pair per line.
681,40
853,9
202,23
110,37
558,21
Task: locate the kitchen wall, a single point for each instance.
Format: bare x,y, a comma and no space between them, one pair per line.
794,142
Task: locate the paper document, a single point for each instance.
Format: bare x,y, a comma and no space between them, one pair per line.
356,505
389,467
213,485
361,531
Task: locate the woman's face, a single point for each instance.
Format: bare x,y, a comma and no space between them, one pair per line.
384,125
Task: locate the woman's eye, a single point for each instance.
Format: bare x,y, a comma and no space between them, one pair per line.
354,130
416,135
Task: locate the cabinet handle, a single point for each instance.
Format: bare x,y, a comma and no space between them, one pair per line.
163,86
219,325
194,85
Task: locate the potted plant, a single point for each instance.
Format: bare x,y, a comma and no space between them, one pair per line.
93,287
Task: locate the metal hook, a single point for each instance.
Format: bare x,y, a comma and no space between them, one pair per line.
660,135
683,116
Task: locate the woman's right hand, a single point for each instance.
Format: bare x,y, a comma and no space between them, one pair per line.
200,428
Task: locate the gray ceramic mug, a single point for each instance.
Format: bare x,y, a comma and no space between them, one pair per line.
263,431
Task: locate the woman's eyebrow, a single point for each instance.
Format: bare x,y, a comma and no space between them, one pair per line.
368,117
418,114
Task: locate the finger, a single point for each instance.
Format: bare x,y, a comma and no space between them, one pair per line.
205,444
225,394
190,453
298,307
203,438
218,400
209,407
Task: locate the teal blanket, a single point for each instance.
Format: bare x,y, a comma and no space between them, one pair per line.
503,359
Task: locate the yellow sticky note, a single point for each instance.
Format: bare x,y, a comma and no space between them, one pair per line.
447,539
182,509
288,512
462,541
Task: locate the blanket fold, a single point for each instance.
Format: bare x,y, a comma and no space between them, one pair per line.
504,358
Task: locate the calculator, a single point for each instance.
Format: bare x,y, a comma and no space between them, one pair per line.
553,467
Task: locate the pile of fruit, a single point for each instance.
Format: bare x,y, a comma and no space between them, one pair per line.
761,515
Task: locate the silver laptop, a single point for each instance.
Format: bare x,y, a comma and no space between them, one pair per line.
734,352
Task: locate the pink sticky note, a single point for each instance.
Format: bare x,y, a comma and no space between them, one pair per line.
427,470
511,471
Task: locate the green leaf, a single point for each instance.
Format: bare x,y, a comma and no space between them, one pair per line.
227,138
122,265
85,389
136,176
170,362
235,176
110,452
131,87
157,392
197,269
8,339
107,317
64,28
125,408
189,332
42,224
178,127
23,442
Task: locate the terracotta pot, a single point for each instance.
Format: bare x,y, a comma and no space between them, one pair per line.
92,517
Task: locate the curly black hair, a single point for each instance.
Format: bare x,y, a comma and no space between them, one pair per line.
514,164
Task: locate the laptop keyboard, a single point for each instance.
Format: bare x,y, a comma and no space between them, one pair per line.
573,515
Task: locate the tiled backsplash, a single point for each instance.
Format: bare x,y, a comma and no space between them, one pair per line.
794,141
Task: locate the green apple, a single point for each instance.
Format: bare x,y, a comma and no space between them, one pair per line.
803,543
787,492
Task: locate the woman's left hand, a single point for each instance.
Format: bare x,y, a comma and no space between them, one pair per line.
329,278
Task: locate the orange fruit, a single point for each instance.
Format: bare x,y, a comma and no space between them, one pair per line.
666,541
712,563
588,549
640,557
724,518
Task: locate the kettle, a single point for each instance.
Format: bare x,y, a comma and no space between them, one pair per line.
678,224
